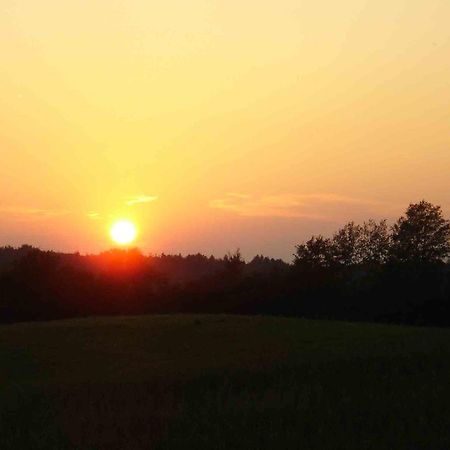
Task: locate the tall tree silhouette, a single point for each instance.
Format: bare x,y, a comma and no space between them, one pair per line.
375,242
316,253
347,245
422,235
234,263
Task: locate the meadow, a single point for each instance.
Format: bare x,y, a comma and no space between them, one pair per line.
223,382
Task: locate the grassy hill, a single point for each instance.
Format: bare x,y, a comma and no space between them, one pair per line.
223,382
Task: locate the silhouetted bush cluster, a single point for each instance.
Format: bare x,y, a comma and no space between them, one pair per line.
369,272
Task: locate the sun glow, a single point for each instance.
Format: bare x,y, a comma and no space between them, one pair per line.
123,232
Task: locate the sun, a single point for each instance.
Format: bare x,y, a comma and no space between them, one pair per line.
123,232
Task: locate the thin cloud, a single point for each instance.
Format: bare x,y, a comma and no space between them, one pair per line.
238,195
24,211
139,199
326,206
285,205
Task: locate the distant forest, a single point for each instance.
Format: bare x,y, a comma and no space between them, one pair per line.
364,272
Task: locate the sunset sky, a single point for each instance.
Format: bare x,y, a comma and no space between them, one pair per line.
217,124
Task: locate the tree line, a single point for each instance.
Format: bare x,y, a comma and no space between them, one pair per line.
420,237
367,272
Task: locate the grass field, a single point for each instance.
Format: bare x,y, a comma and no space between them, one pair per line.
223,382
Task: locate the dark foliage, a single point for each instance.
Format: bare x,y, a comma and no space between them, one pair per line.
364,272
422,236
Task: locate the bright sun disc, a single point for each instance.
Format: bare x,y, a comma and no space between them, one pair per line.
123,232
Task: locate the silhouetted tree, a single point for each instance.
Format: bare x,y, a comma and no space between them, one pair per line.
346,245
375,242
422,235
316,253
234,263
353,245
264,265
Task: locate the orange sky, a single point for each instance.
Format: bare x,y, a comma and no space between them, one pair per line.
217,124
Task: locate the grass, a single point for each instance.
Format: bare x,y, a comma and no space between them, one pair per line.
223,382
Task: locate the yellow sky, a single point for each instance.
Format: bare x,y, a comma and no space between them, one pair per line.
217,124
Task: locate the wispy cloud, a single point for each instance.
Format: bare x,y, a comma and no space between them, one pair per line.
138,199
238,195
93,215
26,211
327,206
267,206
